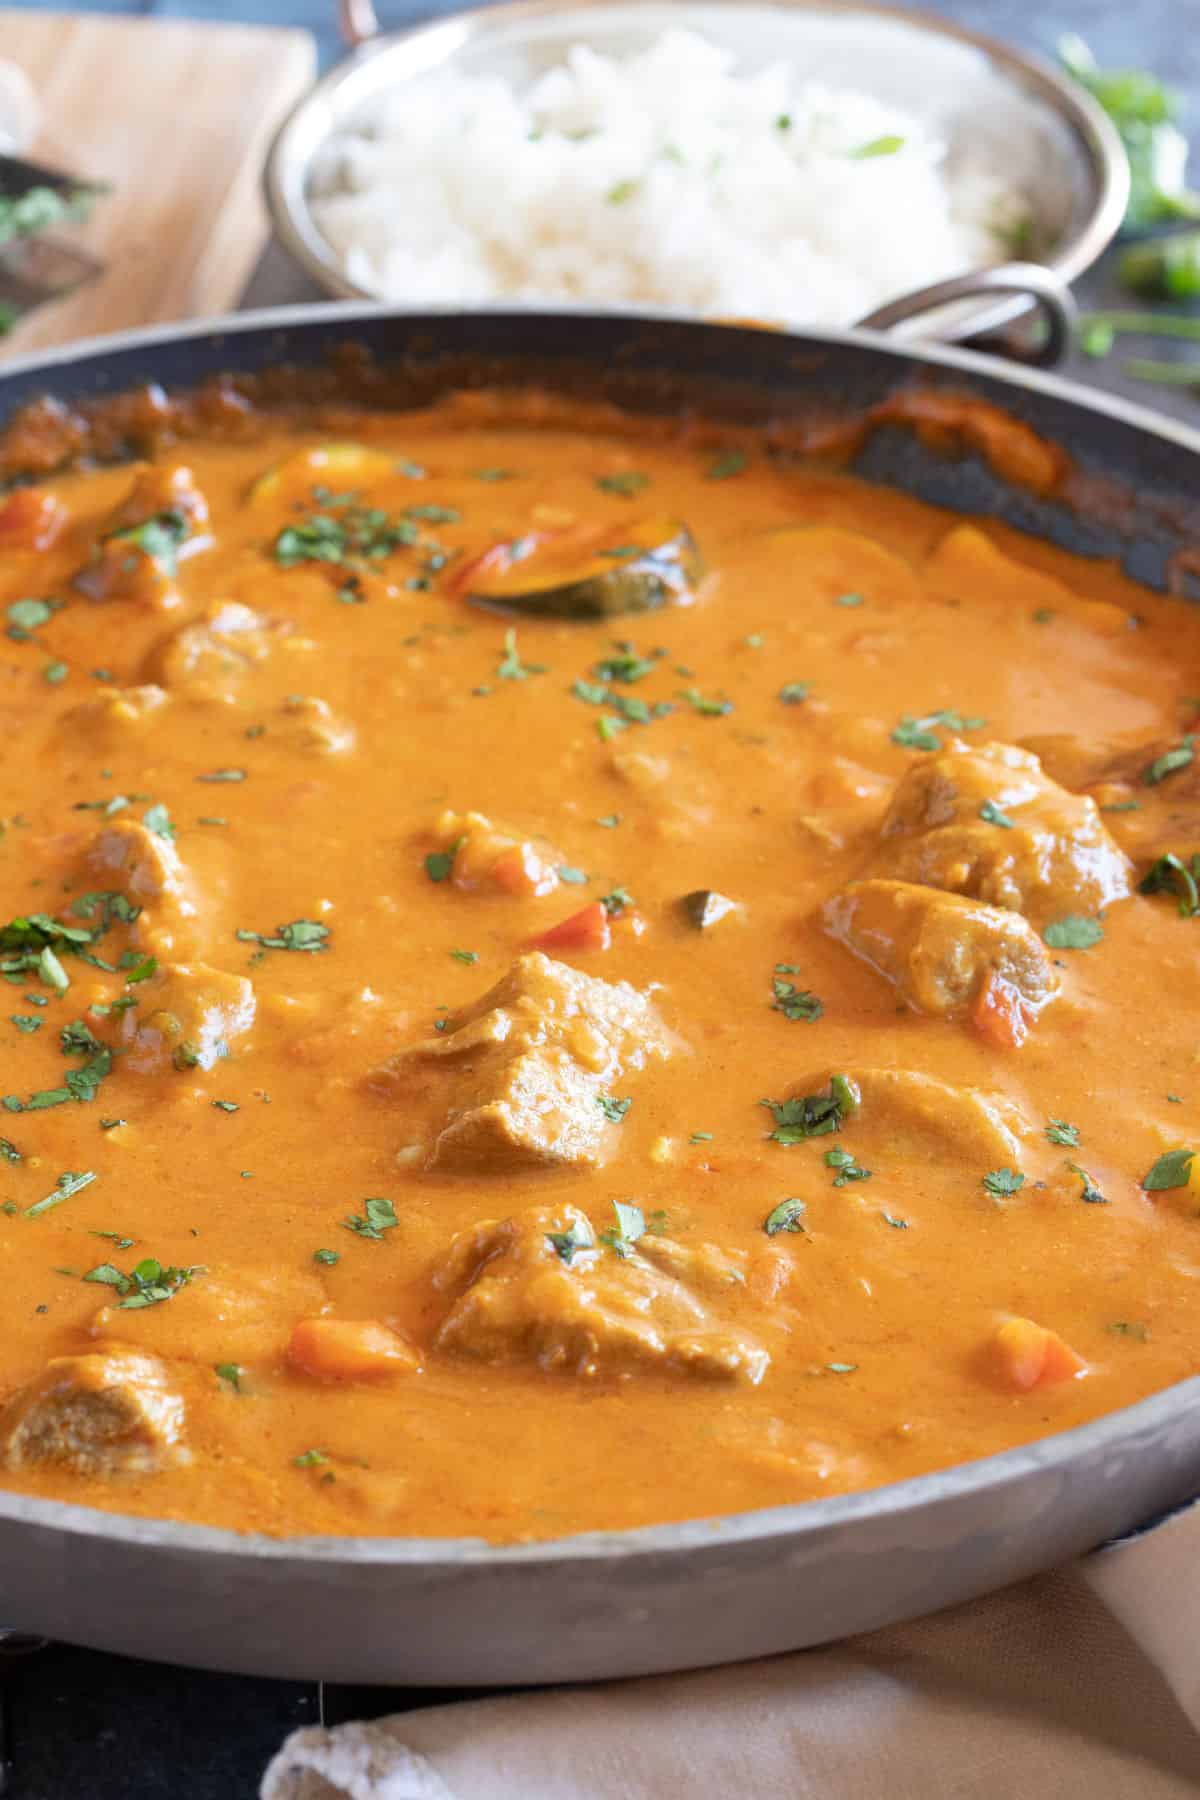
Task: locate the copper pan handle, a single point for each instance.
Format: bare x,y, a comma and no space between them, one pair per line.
1029,281
357,21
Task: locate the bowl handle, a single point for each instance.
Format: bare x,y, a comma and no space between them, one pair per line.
357,21
1050,297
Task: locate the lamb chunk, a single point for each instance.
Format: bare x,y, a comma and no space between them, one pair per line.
937,948
1053,857
106,1413
492,858
127,858
161,519
905,1117
539,1288
210,655
115,714
310,725
528,1064
1152,788
185,1018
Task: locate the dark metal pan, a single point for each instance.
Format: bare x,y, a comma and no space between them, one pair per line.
670,1596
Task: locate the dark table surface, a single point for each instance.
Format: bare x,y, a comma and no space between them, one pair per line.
77,1725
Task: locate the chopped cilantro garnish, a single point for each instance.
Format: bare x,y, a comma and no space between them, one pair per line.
360,534
849,600
147,1284
787,1216
1172,1170
1001,1182
226,1105
310,1459
1091,1194
813,1115
158,820
1172,874
794,1002
730,463
917,734
300,934
1074,932
510,667
440,863
231,1373
847,1168
991,814
157,537
376,1217
630,1226
578,1236
1060,1132
327,1258
712,709
224,774
626,482
616,901
574,877
1169,763
613,1110
68,1184
793,692
465,956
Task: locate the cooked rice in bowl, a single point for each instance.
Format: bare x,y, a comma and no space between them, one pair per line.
665,178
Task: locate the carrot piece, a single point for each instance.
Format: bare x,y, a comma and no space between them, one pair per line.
495,562
522,872
998,1014
1030,1355
31,520
350,1350
587,929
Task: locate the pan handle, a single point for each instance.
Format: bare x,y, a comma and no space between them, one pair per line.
358,21
1051,298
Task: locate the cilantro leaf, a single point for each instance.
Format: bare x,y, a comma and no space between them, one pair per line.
1172,1170
1074,932
376,1217
1000,1182
1059,1131
787,1216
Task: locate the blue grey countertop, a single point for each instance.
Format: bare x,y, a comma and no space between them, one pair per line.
77,1725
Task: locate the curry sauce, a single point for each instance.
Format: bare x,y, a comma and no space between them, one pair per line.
564,979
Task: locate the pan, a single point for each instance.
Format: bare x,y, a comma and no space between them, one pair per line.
461,1612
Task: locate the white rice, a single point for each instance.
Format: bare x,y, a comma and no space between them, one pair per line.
662,179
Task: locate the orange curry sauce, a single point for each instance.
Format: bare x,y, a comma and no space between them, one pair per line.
238,721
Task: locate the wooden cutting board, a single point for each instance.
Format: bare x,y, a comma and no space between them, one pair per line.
176,117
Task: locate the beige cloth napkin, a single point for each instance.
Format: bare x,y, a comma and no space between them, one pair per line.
1080,1685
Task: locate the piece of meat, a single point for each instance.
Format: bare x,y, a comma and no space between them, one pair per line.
161,519
1052,857
310,725
1152,804
528,1064
128,858
245,1316
583,1309
210,655
108,1413
491,858
114,715
938,949
904,1117
186,1017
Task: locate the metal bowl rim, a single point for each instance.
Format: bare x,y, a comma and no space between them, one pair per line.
1094,130
806,1519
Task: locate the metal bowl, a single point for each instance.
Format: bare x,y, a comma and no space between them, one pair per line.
1039,127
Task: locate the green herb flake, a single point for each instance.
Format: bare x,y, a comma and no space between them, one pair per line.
793,1002
626,482
578,1236
793,693
1002,1182
887,145
787,1216
439,864
231,1373
310,1459
510,667
847,1168
813,1115
613,1110
1129,1328
1172,1170
1059,1131
727,465
68,1184
223,775
306,935
1169,873
465,956
56,672
376,1217
1169,763
629,1227
26,1022
893,1219
573,877
226,1106
991,814
327,1258
1090,1195
1073,932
